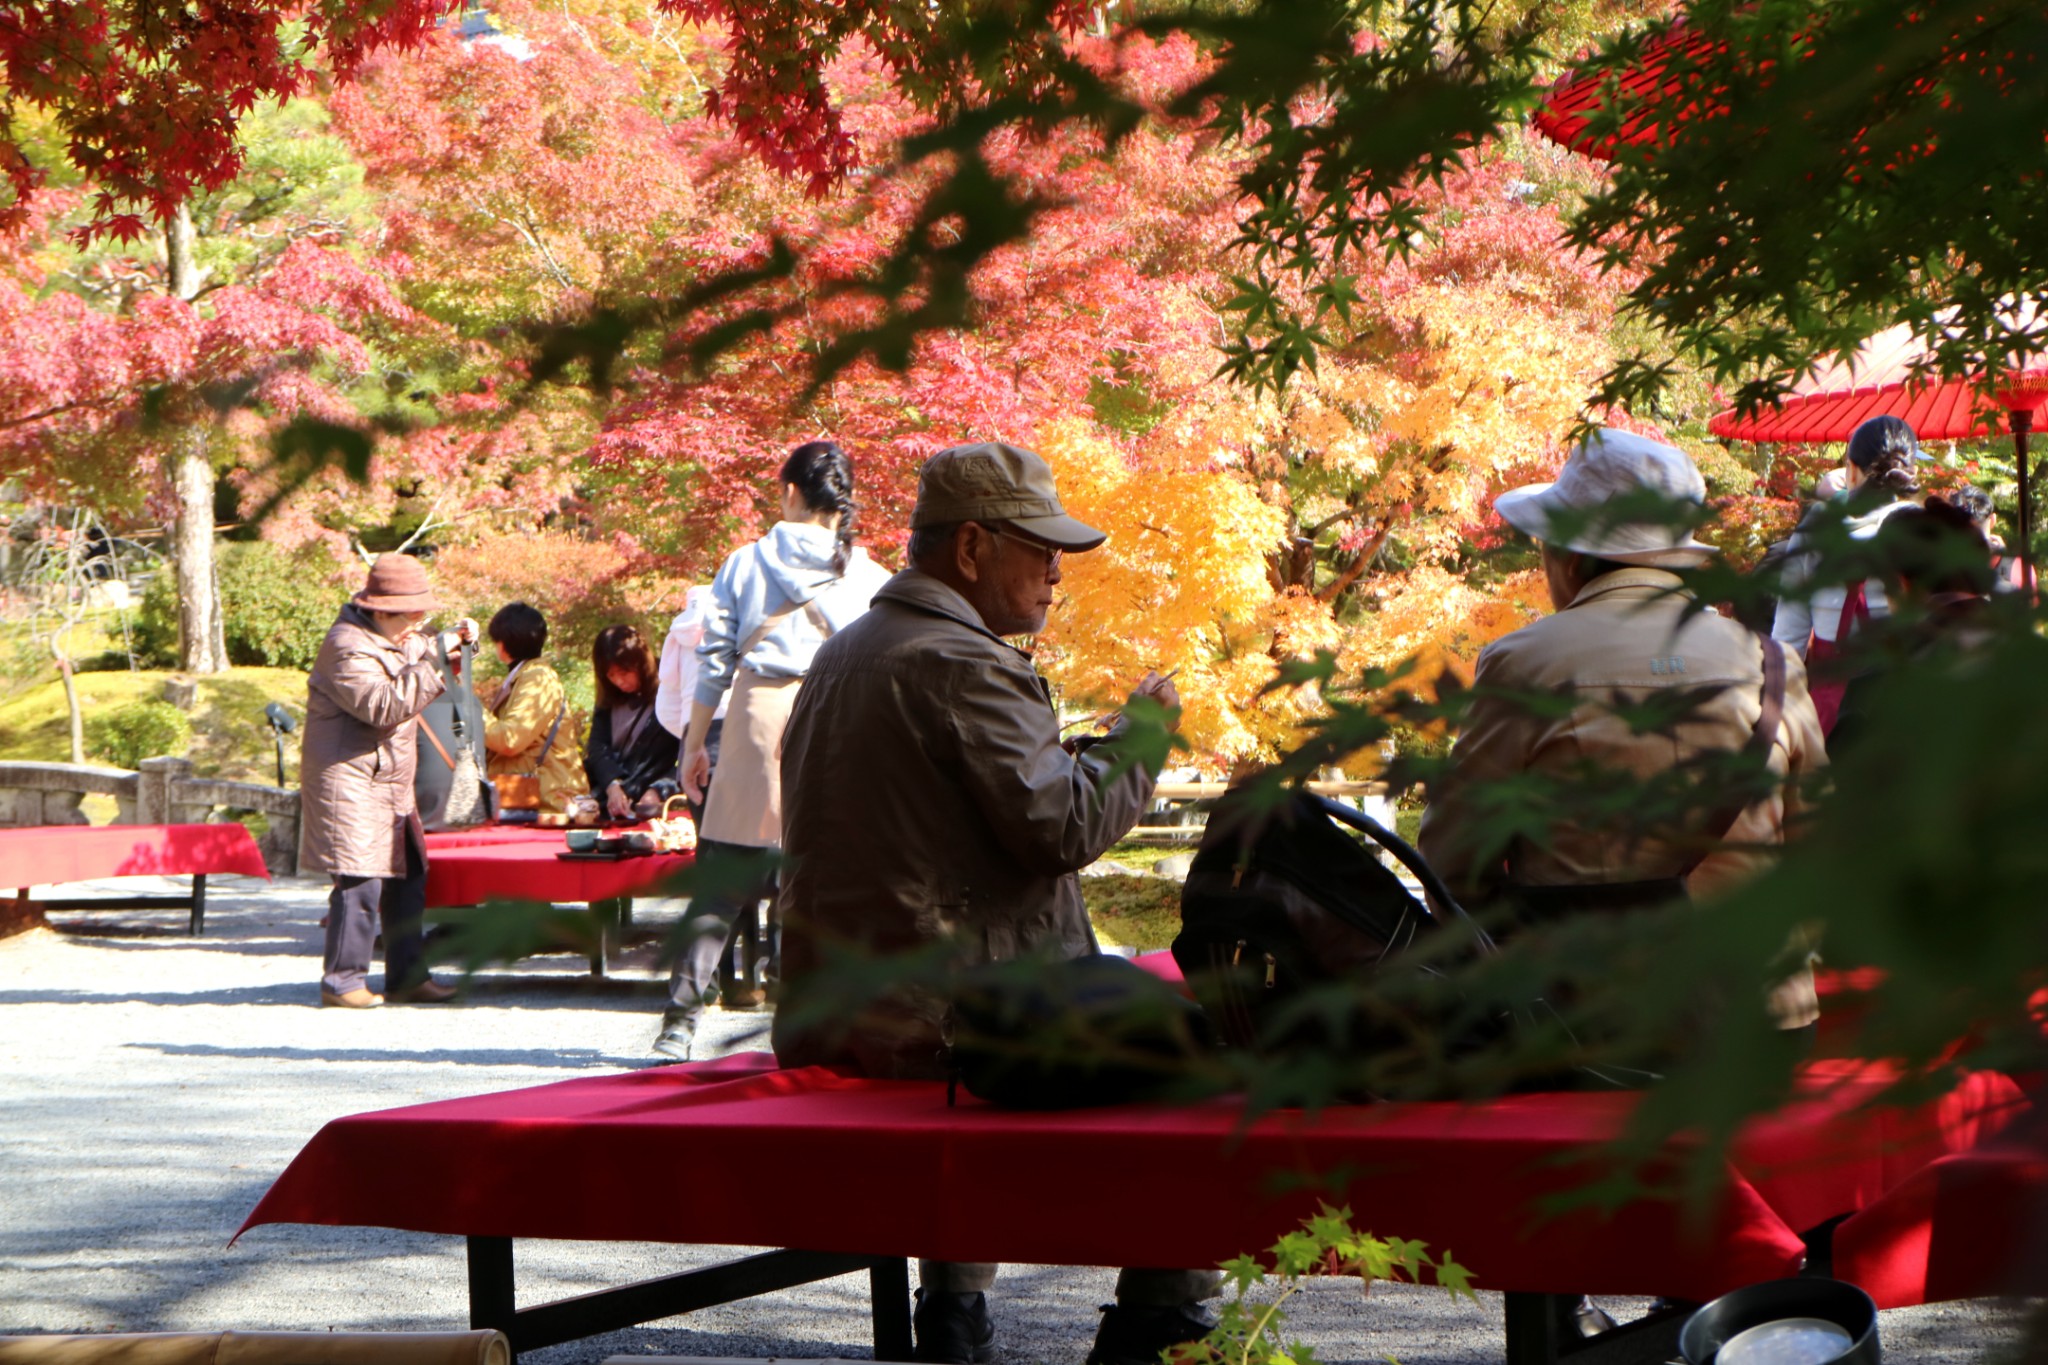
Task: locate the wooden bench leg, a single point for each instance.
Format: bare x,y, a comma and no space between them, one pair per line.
1531,1329
889,1302
491,1302
197,924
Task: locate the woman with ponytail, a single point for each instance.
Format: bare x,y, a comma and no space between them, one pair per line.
1817,617
773,604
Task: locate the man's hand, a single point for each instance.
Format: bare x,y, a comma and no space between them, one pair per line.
1160,688
696,772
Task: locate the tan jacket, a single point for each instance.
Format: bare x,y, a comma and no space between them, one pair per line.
1623,639
358,751
517,728
927,800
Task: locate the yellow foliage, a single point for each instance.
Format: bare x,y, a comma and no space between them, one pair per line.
1181,584
1479,384
1439,619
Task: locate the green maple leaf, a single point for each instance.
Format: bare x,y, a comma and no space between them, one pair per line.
1455,1278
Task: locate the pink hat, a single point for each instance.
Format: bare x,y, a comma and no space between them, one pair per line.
397,583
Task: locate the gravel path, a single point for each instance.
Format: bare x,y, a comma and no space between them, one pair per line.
153,1085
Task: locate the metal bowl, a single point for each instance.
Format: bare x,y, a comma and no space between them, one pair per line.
1775,1301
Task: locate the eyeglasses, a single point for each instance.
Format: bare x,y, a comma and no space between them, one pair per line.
1052,553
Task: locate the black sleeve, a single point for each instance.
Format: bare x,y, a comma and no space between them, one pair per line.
602,763
653,758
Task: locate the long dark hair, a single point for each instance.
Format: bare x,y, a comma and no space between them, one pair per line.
823,476
1885,449
621,646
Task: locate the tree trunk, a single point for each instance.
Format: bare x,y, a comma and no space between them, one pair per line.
199,625
201,630
71,704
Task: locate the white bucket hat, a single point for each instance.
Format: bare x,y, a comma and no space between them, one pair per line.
1609,467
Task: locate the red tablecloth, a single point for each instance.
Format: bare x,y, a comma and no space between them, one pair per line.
528,869
46,855
484,836
1130,1185
1963,1227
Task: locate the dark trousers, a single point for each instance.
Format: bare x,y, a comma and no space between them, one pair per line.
1134,1288
355,907
730,877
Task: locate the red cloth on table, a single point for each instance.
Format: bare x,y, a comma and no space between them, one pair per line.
1130,1185
46,855
484,836
1162,966
1963,1227
530,870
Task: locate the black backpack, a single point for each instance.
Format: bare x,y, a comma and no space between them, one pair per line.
1279,903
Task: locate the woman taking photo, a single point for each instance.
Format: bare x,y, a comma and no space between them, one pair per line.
630,759
374,675
773,604
531,732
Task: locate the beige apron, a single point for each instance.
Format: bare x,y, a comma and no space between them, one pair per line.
744,805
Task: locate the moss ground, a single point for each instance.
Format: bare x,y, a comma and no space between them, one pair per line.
1133,912
229,737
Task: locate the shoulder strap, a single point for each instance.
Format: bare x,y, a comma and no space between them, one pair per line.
553,730
768,623
435,740
1762,736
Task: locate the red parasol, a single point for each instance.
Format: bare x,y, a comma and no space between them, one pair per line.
1648,88
1885,376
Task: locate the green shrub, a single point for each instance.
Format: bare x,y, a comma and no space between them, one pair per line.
277,607
143,729
153,632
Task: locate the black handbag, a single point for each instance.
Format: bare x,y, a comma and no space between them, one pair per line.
1040,1034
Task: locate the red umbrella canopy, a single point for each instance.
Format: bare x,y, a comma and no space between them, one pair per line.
1885,376
1647,94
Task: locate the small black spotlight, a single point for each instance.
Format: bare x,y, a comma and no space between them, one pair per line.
282,723
1805,1321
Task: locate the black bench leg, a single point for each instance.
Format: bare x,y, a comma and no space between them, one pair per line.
490,1283
889,1298
1531,1329
197,924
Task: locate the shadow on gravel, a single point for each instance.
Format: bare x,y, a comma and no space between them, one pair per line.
306,995
553,1059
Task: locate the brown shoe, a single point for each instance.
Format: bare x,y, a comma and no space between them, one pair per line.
361,998
428,992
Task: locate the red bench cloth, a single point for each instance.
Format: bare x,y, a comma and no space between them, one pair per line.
46,855
1963,1227
1131,1185
528,869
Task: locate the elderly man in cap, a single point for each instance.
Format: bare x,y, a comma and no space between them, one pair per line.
928,799
373,677
1626,629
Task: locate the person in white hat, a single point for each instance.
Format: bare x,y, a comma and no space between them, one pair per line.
1614,530
1614,533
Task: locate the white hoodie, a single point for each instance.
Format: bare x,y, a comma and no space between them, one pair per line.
1820,614
792,564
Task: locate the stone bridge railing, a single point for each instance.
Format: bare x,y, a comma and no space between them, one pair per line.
164,792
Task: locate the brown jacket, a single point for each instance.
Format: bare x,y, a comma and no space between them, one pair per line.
926,799
359,749
517,730
1625,638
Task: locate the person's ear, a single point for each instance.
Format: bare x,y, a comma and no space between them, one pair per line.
967,543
